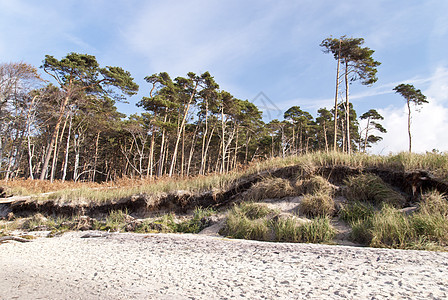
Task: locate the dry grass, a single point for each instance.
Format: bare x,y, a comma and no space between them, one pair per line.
270,188
319,204
93,192
316,184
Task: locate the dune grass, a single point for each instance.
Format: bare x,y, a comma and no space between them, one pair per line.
371,188
426,229
79,192
270,188
318,204
265,225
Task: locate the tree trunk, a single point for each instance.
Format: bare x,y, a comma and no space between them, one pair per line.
43,174
336,102
162,145
206,149
190,156
223,127
235,157
151,157
67,148
204,138
367,135
182,125
325,137
409,126
347,110
55,154
96,156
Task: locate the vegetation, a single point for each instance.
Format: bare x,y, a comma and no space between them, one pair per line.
371,188
318,204
266,225
426,229
411,95
270,188
70,129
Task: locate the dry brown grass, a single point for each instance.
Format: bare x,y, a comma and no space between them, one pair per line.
270,188
319,204
316,184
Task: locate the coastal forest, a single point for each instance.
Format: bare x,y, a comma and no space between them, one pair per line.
59,121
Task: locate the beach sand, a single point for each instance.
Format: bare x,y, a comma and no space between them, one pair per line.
185,266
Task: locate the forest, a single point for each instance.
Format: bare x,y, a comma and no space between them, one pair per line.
60,121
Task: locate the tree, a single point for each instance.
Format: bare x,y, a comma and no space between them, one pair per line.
372,116
80,75
358,65
411,95
17,112
323,122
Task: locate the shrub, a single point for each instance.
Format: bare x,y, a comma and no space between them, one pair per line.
317,205
270,188
371,188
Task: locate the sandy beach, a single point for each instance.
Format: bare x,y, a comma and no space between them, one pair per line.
184,266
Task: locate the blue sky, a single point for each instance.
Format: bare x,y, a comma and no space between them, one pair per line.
252,47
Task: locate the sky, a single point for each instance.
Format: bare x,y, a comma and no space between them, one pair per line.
263,51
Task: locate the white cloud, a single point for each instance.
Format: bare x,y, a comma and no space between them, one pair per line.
429,127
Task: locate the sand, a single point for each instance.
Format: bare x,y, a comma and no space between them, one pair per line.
184,266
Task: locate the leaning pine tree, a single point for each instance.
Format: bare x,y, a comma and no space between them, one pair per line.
80,74
409,92
358,64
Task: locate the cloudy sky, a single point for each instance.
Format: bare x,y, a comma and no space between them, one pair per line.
254,46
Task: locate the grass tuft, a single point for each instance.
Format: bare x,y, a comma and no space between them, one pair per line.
319,204
314,185
371,188
270,188
294,230
354,211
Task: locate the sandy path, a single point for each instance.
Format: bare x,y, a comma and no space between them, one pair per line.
161,266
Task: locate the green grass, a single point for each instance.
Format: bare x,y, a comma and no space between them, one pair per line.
319,230
371,188
266,226
248,221
426,229
352,212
